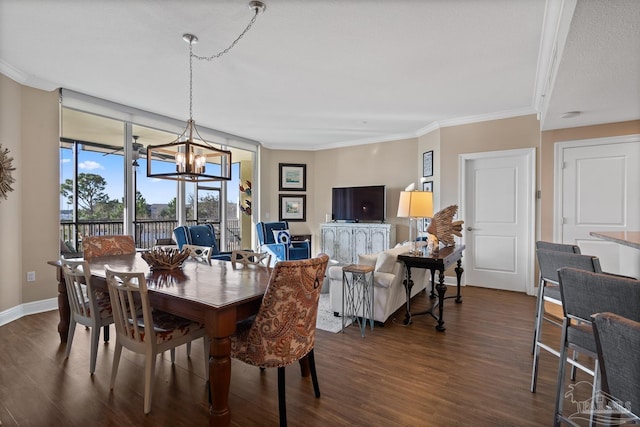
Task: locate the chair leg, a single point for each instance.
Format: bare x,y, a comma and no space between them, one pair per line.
116,361
282,403
314,375
189,349
72,330
536,338
106,333
173,355
149,373
557,414
95,338
538,304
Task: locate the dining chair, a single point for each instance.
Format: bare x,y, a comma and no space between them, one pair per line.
150,334
199,253
283,332
113,244
542,284
583,294
550,261
247,257
86,307
617,344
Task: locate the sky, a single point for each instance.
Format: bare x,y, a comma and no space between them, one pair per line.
110,167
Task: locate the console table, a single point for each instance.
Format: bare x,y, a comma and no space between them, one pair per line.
439,260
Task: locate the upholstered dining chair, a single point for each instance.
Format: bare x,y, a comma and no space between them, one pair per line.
550,261
585,293
150,334
87,307
97,246
283,332
245,257
617,343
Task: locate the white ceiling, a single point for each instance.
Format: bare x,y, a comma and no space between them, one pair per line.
317,74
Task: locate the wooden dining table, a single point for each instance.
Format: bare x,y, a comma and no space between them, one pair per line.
216,295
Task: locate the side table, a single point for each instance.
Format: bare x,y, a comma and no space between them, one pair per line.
439,260
357,295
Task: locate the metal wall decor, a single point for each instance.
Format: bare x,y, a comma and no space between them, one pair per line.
5,172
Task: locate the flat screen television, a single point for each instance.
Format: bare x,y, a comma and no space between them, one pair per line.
358,204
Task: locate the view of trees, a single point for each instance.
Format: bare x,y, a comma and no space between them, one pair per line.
94,202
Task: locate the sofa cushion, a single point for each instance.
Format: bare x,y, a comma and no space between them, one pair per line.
367,259
385,262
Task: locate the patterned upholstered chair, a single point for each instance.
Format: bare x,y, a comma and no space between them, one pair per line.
150,334
275,238
284,330
95,246
200,235
86,307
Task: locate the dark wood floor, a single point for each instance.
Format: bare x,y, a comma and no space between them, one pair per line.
476,373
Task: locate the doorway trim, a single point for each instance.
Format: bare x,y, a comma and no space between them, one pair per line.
558,162
530,155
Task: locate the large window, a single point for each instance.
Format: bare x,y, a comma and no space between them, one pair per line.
97,169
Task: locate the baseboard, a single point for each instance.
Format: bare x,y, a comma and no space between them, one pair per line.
15,313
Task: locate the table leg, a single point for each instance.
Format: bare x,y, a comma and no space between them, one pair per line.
219,326
459,271
63,308
432,295
408,284
441,288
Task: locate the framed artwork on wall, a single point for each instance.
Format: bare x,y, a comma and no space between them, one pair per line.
427,186
293,207
427,163
293,177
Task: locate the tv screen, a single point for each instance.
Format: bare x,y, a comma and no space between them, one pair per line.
358,204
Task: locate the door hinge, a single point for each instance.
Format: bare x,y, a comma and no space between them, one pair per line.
564,220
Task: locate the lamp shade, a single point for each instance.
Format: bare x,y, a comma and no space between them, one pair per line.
415,204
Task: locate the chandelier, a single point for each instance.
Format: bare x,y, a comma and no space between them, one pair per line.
194,158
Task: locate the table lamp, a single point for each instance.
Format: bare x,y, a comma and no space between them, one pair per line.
415,205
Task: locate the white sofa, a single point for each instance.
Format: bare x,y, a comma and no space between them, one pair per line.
389,292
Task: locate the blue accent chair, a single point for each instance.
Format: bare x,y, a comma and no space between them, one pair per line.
201,235
280,251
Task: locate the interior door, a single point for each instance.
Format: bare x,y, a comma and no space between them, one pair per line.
600,191
497,201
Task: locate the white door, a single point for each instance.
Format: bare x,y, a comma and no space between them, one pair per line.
498,209
600,191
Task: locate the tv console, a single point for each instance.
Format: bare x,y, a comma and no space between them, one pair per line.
344,241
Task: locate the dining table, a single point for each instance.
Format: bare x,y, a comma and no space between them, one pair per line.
214,294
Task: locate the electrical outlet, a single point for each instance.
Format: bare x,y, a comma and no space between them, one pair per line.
31,276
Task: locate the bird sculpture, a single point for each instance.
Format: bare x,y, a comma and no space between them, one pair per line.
444,227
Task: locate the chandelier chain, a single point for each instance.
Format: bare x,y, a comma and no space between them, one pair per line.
219,54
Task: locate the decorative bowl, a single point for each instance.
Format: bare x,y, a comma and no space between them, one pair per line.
165,258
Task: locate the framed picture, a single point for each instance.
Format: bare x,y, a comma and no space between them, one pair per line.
427,186
293,177
427,163
293,207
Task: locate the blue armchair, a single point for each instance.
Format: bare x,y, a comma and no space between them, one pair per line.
285,249
200,235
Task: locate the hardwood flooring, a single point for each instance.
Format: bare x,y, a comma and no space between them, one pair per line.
477,373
